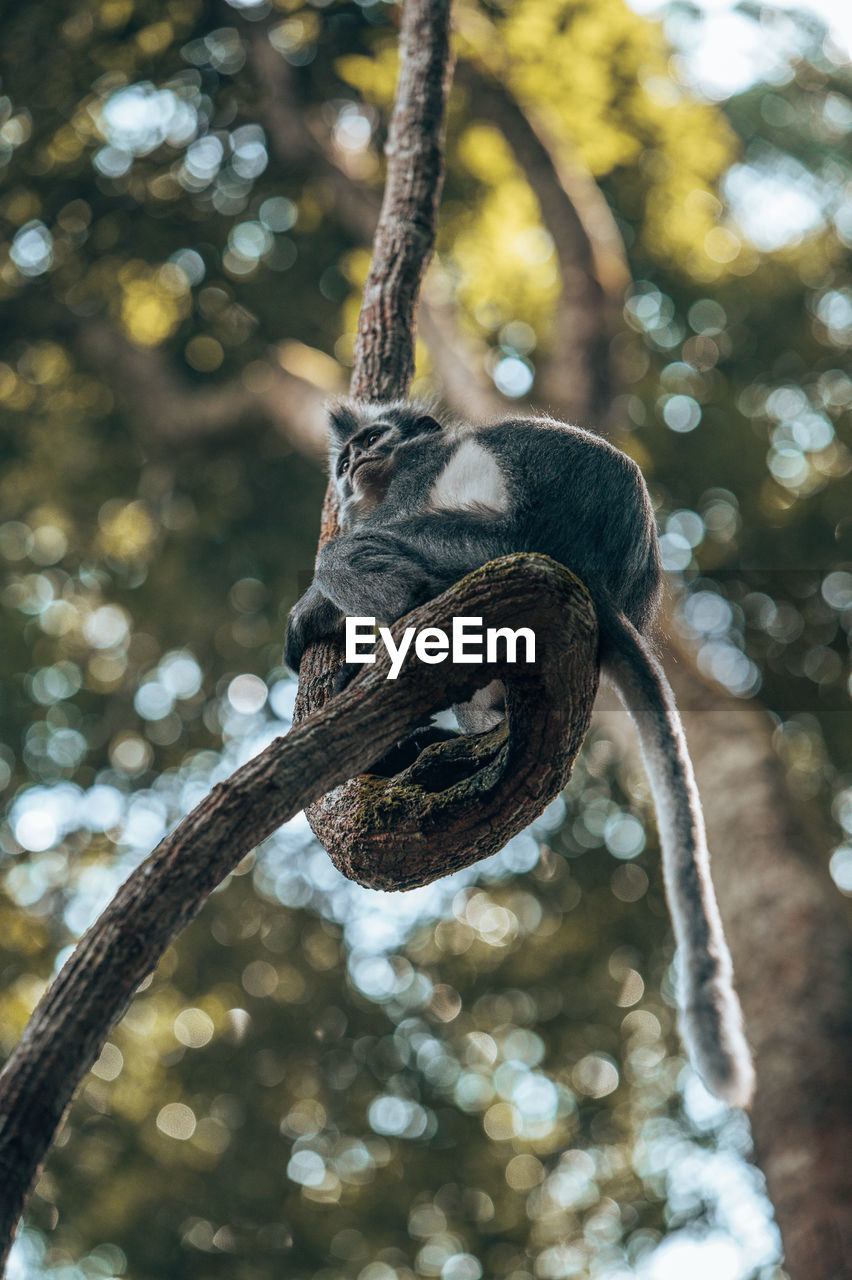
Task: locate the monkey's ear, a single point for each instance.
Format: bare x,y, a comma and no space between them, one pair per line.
342,422
425,422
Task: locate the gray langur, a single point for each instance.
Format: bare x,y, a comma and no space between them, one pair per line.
421,505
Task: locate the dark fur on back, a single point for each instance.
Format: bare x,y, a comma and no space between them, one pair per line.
555,475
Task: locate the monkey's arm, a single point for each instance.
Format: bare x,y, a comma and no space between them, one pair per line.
383,572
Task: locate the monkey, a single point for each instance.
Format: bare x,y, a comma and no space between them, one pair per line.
422,504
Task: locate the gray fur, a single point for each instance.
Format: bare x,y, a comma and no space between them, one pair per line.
565,493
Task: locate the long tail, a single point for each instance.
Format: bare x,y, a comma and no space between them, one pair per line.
711,1019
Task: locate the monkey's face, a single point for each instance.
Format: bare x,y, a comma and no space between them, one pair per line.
363,453
363,468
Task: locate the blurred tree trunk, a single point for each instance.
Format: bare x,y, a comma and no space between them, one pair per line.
792,953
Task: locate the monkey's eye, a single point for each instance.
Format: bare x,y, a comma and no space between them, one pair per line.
374,436
344,466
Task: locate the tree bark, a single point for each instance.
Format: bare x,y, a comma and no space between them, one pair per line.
383,367
405,236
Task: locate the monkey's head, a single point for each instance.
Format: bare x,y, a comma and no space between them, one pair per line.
363,442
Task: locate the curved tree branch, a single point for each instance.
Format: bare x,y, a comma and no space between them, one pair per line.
345,736
158,900
461,800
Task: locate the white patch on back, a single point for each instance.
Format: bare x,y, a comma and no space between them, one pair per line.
470,481
484,710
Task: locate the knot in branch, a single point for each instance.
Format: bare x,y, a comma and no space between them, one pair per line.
461,799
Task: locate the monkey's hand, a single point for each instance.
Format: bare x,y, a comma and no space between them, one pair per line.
312,618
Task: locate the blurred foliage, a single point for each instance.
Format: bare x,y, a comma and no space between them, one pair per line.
482,1078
